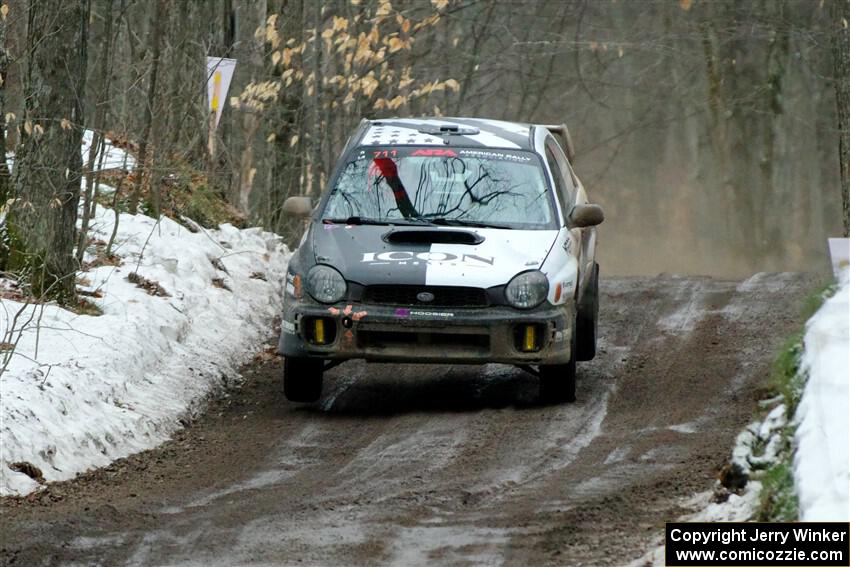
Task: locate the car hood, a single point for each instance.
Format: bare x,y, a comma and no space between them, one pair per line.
402,255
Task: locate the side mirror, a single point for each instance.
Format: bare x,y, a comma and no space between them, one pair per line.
585,215
298,207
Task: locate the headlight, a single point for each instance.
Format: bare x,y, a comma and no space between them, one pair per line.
325,284
527,290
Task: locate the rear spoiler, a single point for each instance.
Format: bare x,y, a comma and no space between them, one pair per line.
566,140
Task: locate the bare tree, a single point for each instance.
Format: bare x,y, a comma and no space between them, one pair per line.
841,57
5,179
708,124
48,163
15,31
147,175
98,139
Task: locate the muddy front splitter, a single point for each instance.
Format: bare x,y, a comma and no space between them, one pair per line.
428,334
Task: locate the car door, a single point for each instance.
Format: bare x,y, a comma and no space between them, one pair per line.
570,193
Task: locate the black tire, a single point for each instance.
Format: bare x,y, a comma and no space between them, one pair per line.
558,381
302,379
587,319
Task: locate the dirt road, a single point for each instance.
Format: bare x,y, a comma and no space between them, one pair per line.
412,465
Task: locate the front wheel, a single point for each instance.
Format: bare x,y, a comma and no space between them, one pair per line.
302,379
558,381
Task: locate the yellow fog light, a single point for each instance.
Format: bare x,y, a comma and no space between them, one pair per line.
529,342
319,331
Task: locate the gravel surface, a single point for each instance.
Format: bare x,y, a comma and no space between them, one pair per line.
412,464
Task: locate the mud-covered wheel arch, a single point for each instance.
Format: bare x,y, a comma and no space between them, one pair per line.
587,318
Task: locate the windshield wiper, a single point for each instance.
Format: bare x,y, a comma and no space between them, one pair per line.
354,220
380,222
462,222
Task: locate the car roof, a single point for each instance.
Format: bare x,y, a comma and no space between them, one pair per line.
464,132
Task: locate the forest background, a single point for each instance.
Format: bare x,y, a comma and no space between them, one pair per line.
711,132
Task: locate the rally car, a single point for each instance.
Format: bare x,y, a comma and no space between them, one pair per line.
451,240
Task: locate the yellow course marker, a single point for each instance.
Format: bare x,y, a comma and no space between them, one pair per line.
216,90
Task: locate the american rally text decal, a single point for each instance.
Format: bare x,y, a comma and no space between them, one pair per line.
517,156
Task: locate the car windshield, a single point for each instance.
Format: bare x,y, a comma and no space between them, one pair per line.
463,187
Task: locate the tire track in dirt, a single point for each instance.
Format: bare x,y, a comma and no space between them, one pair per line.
412,464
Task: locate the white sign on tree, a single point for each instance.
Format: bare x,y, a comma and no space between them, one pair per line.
219,73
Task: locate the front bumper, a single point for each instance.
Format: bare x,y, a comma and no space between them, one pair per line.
430,334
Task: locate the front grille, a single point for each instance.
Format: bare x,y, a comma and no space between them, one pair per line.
444,296
446,341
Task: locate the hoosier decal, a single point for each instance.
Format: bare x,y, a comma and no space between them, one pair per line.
415,313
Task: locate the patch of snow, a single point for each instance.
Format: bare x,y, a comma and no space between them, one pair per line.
766,282
81,391
493,370
737,508
102,188
689,314
744,444
113,157
15,482
689,427
821,462
617,455
775,420
420,545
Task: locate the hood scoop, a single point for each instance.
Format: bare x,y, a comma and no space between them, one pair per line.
430,236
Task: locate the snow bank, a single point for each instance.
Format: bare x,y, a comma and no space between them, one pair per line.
112,158
81,391
107,157
821,463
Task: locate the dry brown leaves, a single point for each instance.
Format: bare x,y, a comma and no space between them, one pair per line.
150,286
268,353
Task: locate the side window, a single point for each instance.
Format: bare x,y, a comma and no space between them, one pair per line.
562,175
573,179
560,190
